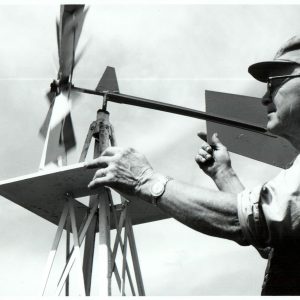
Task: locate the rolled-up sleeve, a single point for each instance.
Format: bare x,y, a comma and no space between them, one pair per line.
269,214
251,217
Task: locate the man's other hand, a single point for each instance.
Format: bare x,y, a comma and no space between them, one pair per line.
212,159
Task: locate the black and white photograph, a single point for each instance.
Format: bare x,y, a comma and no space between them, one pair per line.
149,148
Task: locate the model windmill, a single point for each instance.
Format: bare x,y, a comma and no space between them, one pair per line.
44,194
53,195
57,127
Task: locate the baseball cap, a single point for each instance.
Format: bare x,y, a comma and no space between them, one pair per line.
287,56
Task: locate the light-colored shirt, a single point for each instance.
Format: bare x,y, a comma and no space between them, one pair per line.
270,213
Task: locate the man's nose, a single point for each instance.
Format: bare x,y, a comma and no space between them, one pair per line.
266,99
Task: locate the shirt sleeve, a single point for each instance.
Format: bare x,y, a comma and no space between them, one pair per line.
251,217
269,214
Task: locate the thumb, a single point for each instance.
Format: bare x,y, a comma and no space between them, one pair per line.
216,141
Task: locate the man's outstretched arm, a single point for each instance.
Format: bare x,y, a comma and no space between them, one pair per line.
207,211
129,173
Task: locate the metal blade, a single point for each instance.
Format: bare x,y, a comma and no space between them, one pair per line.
80,54
61,110
54,148
58,38
67,134
79,25
61,140
72,17
45,125
51,96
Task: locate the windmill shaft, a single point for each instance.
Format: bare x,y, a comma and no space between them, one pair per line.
170,108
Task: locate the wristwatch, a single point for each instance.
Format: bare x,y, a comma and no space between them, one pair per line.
158,188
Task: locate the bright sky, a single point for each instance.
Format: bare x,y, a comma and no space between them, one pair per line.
170,53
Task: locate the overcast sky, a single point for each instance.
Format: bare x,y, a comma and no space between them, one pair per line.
170,53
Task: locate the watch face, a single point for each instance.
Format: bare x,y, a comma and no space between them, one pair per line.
157,189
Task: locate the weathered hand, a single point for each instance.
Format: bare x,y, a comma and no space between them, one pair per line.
124,170
212,159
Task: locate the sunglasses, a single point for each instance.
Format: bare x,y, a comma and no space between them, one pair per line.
277,81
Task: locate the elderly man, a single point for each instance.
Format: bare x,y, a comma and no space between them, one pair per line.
267,217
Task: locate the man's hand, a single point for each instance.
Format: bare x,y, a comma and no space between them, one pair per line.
212,159
124,170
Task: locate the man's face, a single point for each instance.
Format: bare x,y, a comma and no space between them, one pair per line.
283,105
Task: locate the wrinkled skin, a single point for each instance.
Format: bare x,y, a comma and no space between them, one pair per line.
124,170
283,109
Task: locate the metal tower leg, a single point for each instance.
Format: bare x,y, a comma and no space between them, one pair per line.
104,247
67,285
68,209
72,257
100,129
135,258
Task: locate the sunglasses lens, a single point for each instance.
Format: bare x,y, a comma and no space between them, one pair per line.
274,83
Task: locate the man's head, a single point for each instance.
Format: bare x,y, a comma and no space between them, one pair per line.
283,89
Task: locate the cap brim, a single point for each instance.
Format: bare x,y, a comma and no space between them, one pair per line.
263,70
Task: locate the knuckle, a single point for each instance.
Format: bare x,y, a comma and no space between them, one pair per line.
199,158
96,182
111,171
98,173
125,151
97,161
129,150
202,152
112,165
111,177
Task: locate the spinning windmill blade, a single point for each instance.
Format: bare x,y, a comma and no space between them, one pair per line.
51,95
71,23
57,127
